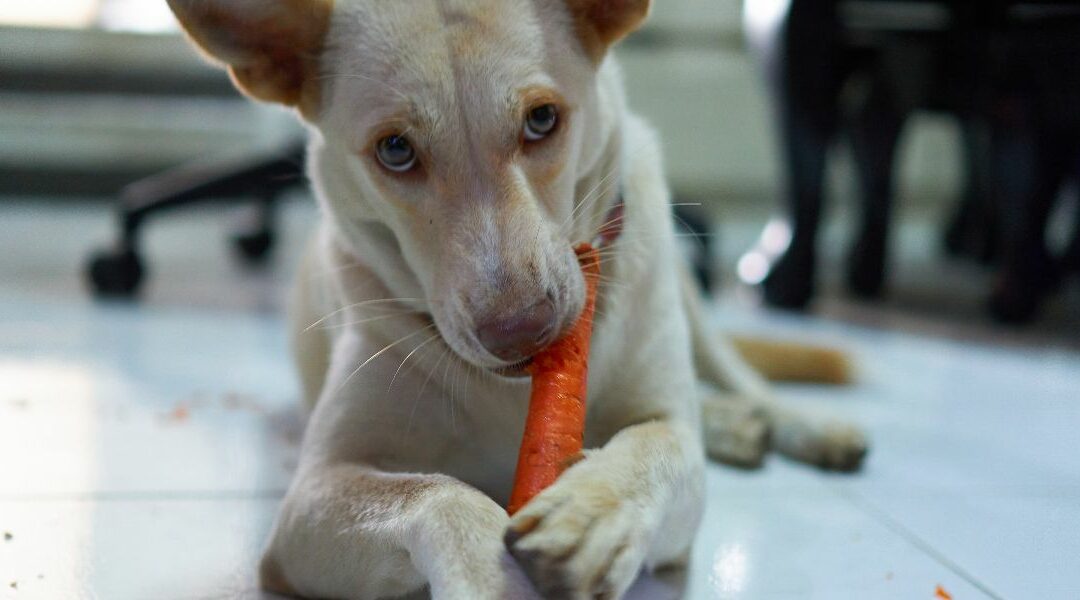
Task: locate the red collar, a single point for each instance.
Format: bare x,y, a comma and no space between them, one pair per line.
613,223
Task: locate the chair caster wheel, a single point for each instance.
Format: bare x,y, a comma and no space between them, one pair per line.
115,273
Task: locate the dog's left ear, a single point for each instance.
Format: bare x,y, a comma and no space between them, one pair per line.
270,47
601,23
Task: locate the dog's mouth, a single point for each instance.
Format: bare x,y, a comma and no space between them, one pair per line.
514,371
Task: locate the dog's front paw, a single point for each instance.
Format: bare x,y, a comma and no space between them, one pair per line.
580,538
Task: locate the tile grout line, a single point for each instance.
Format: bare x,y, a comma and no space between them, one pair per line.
914,539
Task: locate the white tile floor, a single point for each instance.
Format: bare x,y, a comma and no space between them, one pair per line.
143,449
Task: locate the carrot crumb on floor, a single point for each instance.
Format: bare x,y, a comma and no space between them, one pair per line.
180,413
941,594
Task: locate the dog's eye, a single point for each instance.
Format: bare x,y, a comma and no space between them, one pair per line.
540,122
396,153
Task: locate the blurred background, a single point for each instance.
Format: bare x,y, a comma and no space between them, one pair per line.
895,177
97,94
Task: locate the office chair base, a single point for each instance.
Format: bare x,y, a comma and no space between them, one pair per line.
115,273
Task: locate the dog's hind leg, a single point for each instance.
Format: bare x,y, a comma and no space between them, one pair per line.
736,430
745,419
815,440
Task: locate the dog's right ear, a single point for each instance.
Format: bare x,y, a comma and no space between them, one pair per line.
270,47
601,23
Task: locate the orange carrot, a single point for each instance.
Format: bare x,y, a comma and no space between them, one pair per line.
555,425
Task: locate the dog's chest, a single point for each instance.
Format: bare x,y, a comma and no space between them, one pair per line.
472,436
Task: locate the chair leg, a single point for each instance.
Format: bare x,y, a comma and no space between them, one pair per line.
255,239
875,130
1029,167
972,230
805,75
1070,260
119,271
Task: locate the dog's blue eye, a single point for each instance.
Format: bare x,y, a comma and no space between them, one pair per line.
396,153
540,122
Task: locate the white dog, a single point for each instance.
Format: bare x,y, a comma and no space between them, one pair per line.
458,149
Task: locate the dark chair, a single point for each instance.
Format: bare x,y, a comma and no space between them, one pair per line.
261,180
1006,69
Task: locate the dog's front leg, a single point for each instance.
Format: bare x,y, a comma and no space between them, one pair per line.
348,531
636,501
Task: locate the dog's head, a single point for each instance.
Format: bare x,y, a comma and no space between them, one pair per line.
457,128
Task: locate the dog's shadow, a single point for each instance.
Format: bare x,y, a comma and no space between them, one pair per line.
667,584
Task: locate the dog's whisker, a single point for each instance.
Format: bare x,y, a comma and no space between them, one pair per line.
618,244
455,399
689,229
333,270
384,349
653,233
601,190
407,356
609,257
585,198
454,381
449,394
359,305
420,394
599,314
598,189
609,252
607,260
372,319
608,279
588,197
468,380
622,216
416,403
605,182
601,227
611,283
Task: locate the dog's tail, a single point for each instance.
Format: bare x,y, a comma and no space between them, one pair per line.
743,364
793,361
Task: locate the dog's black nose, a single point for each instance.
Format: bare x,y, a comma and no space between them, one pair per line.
519,336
